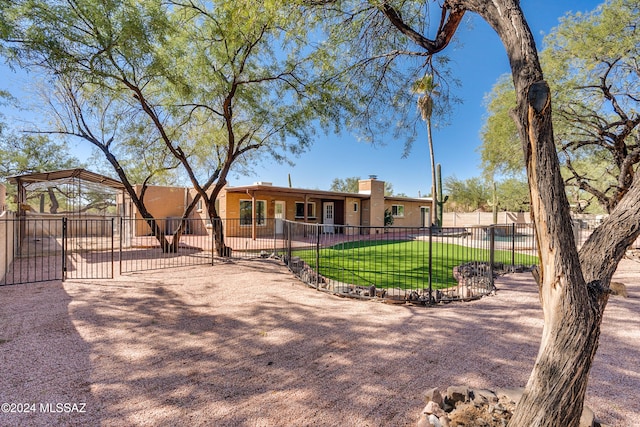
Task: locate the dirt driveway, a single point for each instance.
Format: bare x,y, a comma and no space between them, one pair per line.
247,344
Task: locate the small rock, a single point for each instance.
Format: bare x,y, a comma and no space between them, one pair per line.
512,394
499,409
431,408
434,395
485,396
458,394
434,421
424,421
588,418
617,288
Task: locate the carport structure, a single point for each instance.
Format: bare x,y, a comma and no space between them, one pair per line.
77,182
74,239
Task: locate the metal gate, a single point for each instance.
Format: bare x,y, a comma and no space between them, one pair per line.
140,246
42,249
88,248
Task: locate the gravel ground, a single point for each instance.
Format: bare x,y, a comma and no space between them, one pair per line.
247,344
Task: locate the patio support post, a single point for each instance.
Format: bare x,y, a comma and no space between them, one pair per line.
288,240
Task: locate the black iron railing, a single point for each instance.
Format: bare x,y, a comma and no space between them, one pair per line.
421,265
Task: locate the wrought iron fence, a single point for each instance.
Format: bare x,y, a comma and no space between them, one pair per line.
88,248
145,246
420,265
398,263
163,243
245,239
33,250
38,249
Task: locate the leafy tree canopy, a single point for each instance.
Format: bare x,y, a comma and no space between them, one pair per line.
351,185
591,62
467,195
475,193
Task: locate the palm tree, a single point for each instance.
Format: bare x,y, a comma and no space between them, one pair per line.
426,87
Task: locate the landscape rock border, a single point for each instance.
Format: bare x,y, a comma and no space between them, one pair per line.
461,406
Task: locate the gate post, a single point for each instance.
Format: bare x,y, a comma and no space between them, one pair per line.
317,255
112,241
513,245
64,248
430,264
122,226
492,251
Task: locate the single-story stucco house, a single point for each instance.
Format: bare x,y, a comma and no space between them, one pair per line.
252,205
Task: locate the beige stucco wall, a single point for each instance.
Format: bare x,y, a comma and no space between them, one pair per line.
457,219
164,202
412,212
353,211
229,203
161,202
7,241
373,211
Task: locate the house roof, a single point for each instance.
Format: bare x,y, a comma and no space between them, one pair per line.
267,188
288,190
66,174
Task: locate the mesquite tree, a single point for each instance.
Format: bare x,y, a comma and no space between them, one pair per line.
573,286
216,84
590,62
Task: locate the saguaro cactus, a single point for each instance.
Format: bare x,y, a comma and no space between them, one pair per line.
441,200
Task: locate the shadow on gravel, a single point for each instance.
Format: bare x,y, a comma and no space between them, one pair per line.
247,344
46,364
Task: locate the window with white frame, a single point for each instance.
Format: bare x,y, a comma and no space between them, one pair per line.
311,210
246,212
199,205
397,210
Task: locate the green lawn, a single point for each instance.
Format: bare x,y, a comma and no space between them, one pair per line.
399,264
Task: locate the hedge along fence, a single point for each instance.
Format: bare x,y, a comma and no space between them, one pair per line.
420,265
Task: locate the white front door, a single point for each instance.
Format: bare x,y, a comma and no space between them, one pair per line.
279,216
425,212
327,217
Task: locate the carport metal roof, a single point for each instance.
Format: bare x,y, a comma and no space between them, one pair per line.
59,175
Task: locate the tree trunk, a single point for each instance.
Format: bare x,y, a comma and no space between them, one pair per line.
137,201
217,227
53,207
556,389
573,288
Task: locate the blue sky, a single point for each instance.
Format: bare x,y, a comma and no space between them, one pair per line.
478,59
